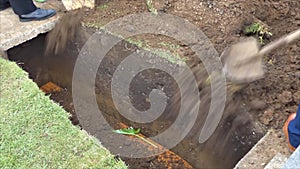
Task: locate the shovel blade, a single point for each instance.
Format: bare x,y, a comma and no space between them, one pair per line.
246,72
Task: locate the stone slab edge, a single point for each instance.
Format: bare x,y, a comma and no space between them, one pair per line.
294,161
264,151
277,162
27,35
13,32
75,4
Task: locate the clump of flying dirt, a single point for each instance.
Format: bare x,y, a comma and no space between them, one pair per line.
64,31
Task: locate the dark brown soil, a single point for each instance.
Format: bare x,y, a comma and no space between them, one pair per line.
224,22
266,102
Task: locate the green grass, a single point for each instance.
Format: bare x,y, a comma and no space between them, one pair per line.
169,45
166,54
174,58
36,132
102,7
150,7
259,30
137,42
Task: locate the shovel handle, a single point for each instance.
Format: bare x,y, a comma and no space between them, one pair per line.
283,41
280,42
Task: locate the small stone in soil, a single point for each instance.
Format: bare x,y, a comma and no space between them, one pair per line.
267,117
285,97
277,106
297,74
296,96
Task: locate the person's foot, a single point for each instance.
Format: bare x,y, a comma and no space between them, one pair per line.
38,14
285,130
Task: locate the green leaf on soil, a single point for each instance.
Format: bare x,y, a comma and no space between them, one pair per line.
133,132
150,7
259,30
253,29
128,131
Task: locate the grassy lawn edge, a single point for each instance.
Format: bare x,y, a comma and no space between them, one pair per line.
35,132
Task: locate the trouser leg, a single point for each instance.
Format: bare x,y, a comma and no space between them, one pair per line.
22,7
4,4
294,130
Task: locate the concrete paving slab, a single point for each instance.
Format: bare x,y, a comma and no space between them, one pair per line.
75,4
294,161
264,151
13,32
277,162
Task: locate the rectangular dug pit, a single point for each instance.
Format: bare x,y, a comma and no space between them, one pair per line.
233,138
